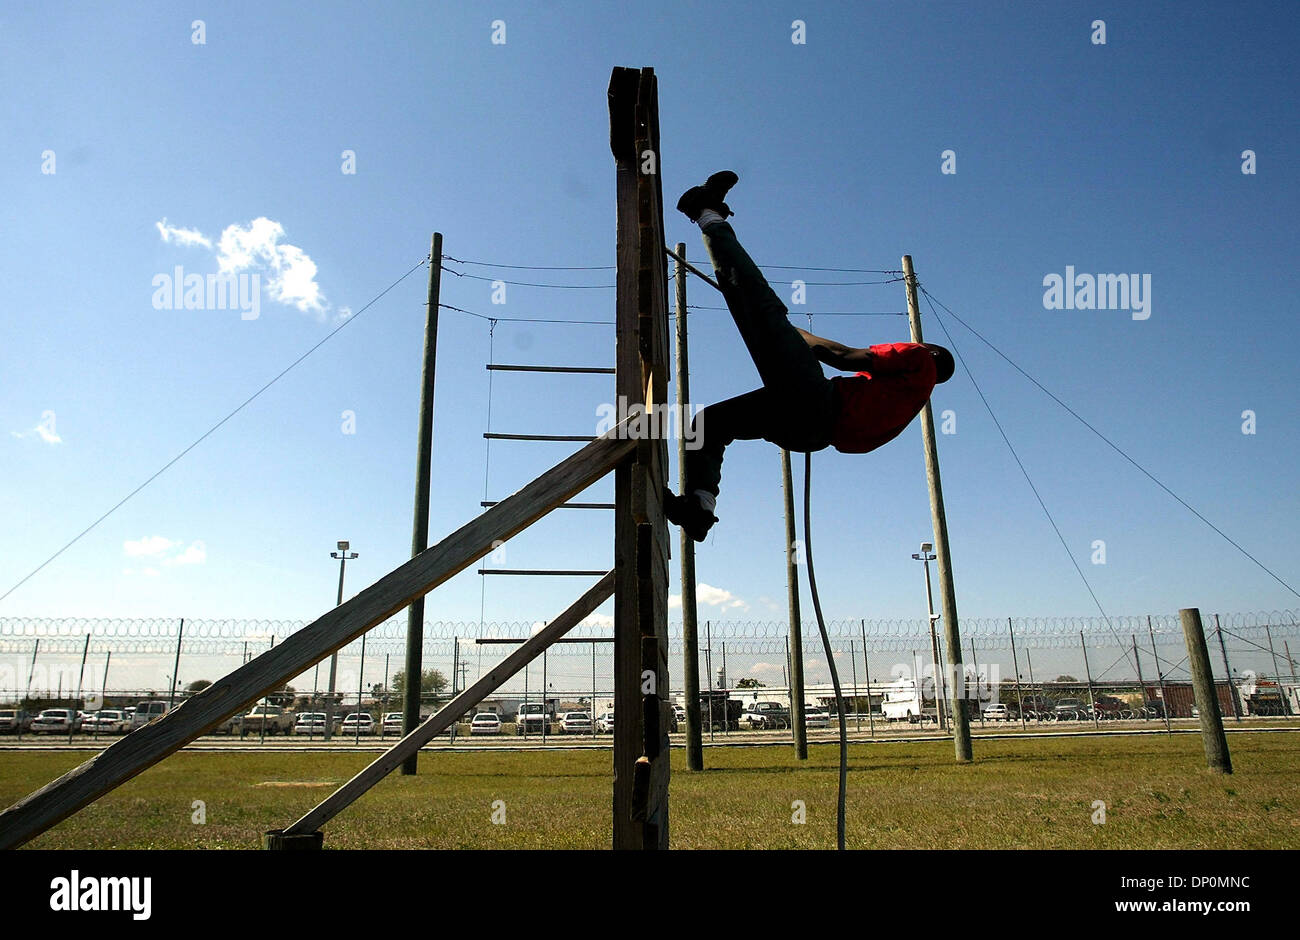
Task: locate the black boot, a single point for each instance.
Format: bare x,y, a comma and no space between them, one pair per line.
686,511
709,196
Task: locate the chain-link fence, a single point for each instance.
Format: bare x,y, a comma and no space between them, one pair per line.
1039,670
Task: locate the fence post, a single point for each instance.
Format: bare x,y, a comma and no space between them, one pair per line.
708,670
1015,664
726,683
176,666
1029,660
28,694
80,676
1232,688
1160,678
1277,672
103,688
853,658
361,685
1141,682
1087,671
866,666
975,664
1198,660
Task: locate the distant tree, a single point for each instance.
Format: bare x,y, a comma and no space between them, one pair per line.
198,685
432,682
1065,679
282,697
749,683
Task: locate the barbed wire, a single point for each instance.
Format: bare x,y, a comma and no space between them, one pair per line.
235,637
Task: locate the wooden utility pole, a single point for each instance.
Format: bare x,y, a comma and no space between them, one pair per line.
948,596
690,623
1207,702
420,528
796,627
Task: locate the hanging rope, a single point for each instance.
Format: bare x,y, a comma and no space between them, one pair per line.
826,645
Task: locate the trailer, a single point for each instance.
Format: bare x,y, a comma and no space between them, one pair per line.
908,700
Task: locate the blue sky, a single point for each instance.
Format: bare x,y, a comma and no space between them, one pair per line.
1117,158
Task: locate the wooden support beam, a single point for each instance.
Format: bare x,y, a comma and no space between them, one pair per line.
641,681
492,502
146,746
345,795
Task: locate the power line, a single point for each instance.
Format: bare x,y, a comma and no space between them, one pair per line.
247,401
1115,447
610,267
483,316
843,313
1021,465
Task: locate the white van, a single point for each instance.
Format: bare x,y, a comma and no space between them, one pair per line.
146,712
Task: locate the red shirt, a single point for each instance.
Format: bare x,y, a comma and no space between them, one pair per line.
874,407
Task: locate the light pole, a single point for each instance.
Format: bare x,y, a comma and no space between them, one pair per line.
940,693
343,556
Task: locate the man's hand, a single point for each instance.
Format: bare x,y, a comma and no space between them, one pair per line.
837,355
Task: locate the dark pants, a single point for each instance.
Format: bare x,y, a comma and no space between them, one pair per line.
795,408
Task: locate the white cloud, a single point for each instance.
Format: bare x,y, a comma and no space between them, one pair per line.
718,597
44,433
762,669
150,545
674,601
196,554
290,273
600,620
182,236
44,430
165,551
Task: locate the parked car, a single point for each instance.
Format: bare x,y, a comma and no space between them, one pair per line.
815,717
107,721
532,718
1069,709
266,719
679,712
359,723
1109,706
57,721
997,711
230,726
575,723
14,721
312,723
605,723
146,712
392,724
752,720
777,715
485,723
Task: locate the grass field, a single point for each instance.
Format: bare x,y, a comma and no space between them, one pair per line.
1030,793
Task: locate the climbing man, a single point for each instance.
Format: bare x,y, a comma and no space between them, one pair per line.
798,407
